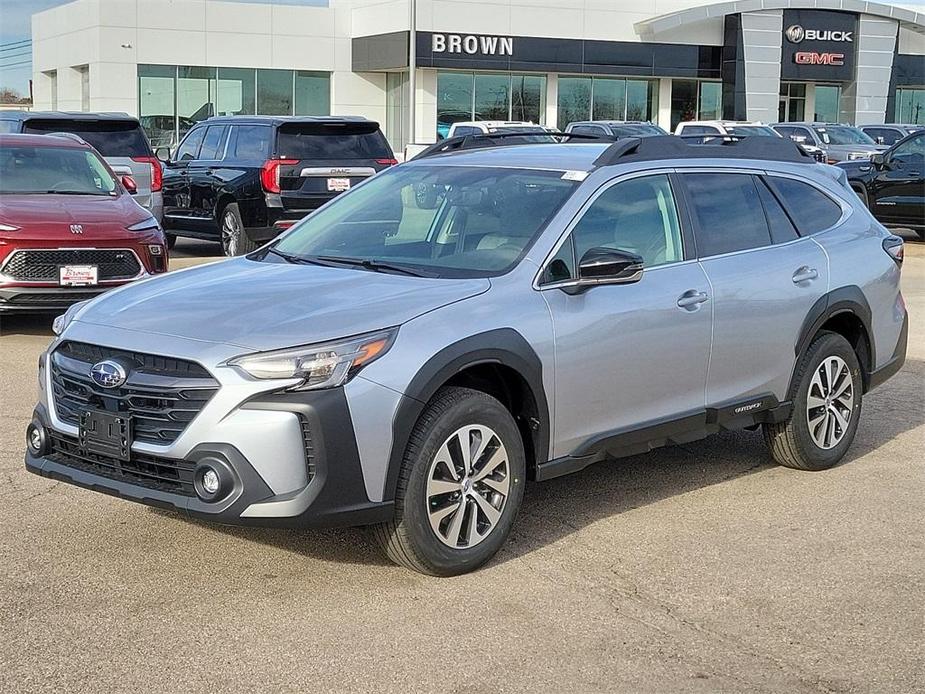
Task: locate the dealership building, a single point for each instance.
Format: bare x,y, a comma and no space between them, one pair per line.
420,65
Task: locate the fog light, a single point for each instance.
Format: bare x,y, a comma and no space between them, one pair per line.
210,481
36,440
155,250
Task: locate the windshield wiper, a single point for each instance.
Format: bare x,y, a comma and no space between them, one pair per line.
294,259
374,265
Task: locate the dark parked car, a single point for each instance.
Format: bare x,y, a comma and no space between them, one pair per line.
889,133
117,136
241,180
615,129
892,183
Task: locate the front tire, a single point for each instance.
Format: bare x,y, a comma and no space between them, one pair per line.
460,486
235,240
826,407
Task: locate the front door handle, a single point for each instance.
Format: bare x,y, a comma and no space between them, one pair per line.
805,274
691,299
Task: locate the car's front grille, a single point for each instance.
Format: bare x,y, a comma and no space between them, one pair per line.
309,447
44,265
153,472
162,395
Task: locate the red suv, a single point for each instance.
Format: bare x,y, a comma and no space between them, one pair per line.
69,228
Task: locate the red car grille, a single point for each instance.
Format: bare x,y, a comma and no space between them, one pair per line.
43,265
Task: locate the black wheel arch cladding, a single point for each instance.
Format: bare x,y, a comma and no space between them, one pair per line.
504,347
845,301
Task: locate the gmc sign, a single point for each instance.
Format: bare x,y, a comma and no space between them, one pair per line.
810,58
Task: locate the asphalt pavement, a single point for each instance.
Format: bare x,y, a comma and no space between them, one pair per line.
696,568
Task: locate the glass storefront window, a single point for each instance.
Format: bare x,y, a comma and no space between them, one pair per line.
711,101
910,106
236,92
641,99
528,98
274,92
608,99
792,104
157,103
195,96
574,100
827,103
493,97
465,96
312,93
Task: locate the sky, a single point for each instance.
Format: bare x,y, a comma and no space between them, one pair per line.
15,29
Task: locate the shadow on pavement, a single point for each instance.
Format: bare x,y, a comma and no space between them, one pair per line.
555,509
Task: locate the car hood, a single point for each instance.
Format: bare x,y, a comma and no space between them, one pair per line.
49,217
264,306
857,148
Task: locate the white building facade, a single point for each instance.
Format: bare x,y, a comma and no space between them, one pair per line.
174,62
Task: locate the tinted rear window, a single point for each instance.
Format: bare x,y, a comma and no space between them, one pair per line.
331,141
728,211
111,138
811,210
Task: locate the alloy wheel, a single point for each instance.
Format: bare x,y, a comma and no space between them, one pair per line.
468,486
231,234
830,402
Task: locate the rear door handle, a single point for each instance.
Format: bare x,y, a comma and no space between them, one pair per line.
805,274
692,298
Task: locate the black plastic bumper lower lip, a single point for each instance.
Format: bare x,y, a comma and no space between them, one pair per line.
45,299
337,491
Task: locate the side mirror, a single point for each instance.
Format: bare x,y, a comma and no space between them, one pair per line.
163,154
129,183
879,160
605,266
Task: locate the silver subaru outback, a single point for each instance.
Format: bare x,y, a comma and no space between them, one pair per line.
409,355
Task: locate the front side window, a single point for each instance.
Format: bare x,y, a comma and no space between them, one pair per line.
911,149
189,148
64,170
441,221
811,210
728,213
639,216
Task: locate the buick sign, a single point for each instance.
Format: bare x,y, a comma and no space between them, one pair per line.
108,374
795,34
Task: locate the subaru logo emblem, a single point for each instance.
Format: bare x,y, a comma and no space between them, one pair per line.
108,374
77,228
795,33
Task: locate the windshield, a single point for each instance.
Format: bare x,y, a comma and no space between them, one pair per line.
111,138
442,221
843,135
747,130
25,169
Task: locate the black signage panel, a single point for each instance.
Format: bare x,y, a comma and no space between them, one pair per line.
818,45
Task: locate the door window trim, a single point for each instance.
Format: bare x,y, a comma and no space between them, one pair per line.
687,247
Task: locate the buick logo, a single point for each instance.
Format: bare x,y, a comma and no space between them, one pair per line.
108,374
795,33
77,228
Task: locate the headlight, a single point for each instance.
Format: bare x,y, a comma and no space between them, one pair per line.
326,365
148,224
61,322
8,227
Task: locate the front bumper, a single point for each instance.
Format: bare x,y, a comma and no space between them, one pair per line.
20,299
292,458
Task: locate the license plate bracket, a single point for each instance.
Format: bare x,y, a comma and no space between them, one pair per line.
78,275
338,185
106,433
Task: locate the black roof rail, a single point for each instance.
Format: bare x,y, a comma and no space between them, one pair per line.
674,147
483,140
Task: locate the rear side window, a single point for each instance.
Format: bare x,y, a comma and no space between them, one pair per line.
213,144
728,212
111,138
332,141
782,229
588,130
810,209
467,130
250,142
699,130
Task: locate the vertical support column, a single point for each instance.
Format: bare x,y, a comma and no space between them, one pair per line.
425,102
864,100
664,103
761,47
552,101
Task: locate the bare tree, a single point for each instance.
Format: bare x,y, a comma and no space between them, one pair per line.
8,95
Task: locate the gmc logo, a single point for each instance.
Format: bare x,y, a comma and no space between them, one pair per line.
812,58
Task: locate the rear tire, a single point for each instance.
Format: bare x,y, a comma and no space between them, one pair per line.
460,485
235,240
826,407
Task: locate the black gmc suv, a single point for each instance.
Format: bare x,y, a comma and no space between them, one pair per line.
241,180
892,183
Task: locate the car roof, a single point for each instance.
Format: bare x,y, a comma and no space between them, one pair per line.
494,123
50,140
66,115
612,122
280,120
